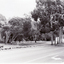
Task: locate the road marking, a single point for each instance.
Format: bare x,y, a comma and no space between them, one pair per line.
55,58
36,59
43,57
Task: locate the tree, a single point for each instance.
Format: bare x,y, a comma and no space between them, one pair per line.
16,21
27,27
2,23
20,26
16,27
2,20
48,11
59,17
6,30
42,12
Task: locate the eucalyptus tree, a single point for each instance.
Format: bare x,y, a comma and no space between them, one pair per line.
16,27
6,31
2,23
27,27
48,11
20,26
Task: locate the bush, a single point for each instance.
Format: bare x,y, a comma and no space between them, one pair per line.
48,36
43,37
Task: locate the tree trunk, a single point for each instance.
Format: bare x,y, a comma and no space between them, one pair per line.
55,40
0,37
51,38
1,34
60,34
7,36
13,38
35,38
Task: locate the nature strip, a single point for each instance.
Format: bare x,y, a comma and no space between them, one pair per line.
15,47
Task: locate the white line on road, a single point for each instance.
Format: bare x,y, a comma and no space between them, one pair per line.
43,57
55,58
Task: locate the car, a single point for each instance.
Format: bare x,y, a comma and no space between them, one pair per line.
57,39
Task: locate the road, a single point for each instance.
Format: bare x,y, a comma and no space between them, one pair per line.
35,54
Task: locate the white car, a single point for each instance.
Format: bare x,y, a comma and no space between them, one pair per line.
57,39
62,40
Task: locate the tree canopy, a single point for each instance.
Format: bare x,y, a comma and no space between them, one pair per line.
48,11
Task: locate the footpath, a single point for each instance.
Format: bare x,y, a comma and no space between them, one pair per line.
26,44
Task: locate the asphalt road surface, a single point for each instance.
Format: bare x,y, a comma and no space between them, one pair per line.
42,53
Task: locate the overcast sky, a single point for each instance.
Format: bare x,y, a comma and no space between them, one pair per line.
11,8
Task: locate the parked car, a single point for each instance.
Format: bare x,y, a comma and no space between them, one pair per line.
57,39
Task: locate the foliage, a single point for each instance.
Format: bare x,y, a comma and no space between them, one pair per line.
17,21
49,11
50,15
27,27
20,26
43,37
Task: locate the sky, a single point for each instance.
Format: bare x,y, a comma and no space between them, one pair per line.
16,8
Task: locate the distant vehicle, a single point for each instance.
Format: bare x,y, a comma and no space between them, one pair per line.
63,39
57,39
